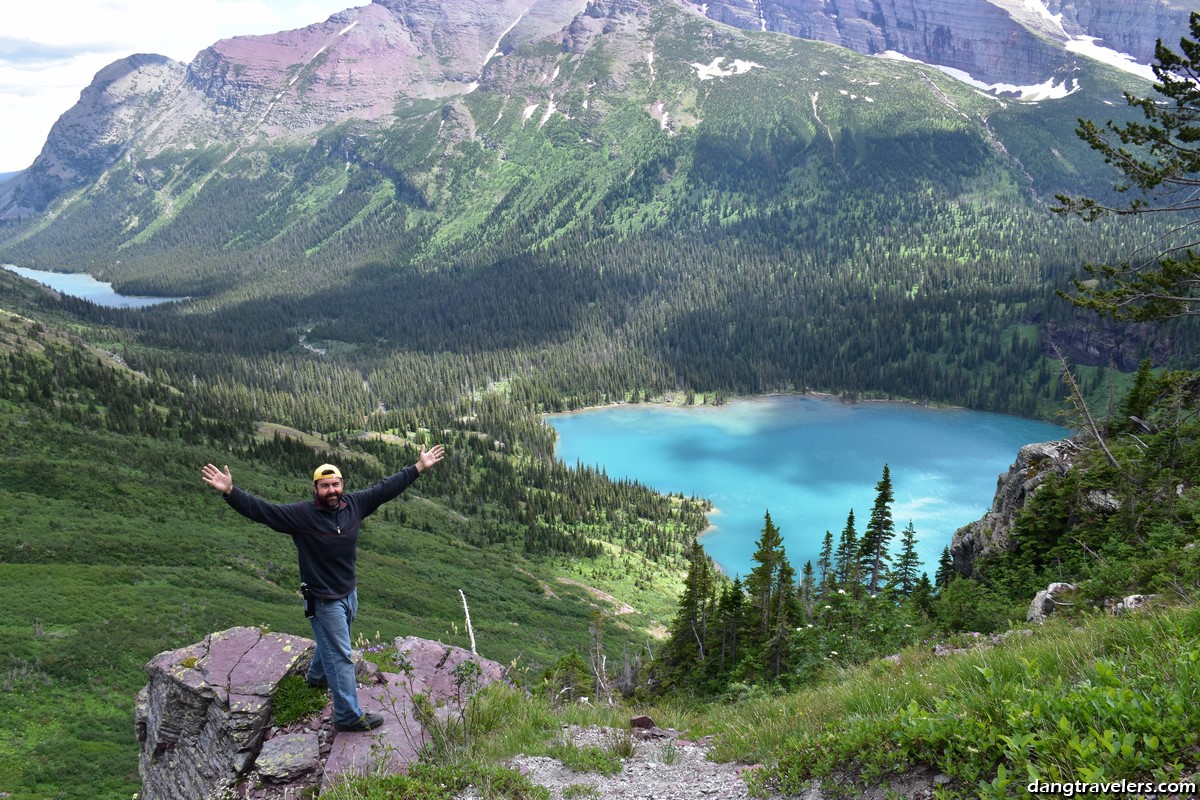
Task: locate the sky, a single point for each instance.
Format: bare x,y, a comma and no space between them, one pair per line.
50,53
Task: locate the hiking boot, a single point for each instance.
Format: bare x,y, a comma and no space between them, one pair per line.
367,722
318,683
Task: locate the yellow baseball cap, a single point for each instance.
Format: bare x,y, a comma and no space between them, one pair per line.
326,471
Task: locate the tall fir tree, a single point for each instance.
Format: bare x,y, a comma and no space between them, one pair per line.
809,590
908,563
846,556
945,570
921,600
686,653
731,620
825,567
760,583
880,530
785,613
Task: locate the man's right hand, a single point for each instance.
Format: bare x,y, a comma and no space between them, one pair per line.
221,481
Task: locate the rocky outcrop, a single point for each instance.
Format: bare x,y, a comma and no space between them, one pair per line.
992,535
204,719
201,718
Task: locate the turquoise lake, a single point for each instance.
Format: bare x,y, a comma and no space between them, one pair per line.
86,287
809,461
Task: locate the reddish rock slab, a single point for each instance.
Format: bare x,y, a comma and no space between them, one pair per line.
201,719
398,742
289,757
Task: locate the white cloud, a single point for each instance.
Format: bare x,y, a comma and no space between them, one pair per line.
50,53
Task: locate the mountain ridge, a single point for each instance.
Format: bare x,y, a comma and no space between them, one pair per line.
366,63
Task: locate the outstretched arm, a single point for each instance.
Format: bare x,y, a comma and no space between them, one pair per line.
430,457
221,481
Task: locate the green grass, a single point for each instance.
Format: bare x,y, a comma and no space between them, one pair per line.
588,758
1093,700
121,553
294,701
1105,700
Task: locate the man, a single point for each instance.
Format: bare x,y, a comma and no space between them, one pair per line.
325,531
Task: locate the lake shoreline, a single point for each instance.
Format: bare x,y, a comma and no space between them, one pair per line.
817,395
806,459
86,287
671,403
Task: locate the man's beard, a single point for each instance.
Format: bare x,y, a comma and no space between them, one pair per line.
333,500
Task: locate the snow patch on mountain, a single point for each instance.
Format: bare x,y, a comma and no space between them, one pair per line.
496,47
1047,90
715,70
1086,45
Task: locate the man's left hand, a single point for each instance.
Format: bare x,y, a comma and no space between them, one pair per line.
430,457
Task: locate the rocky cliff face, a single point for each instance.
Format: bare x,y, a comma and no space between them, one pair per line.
995,41
1124,26
204,719
93,133
361,64
992,535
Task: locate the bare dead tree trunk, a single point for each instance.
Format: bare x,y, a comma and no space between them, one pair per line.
1081,404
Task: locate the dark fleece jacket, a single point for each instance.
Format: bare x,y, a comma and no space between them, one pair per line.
326,539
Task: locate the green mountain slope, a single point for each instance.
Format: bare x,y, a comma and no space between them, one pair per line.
622,208
115,550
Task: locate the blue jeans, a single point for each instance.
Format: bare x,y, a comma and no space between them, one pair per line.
331,659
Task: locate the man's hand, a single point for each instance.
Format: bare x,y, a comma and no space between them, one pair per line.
430,457
221,481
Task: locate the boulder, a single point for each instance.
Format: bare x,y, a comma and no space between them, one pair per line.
1134,602
1047,601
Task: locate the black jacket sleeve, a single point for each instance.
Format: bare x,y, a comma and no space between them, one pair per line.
289,518
390,487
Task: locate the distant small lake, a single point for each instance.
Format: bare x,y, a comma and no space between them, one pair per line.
86,287
808,460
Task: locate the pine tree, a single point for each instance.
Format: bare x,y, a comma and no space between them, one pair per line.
945,570
873,549
761,582
1161,158
785,614
808,585
686,651
846,557
1141,396
904,574
731,619
825,566
922,596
